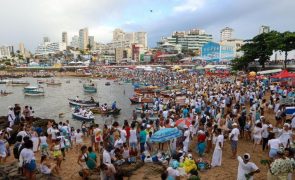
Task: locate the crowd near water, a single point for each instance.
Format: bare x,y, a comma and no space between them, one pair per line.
198,117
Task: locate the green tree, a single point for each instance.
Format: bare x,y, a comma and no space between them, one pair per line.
285,43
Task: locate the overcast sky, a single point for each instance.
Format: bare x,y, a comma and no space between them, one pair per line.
28,21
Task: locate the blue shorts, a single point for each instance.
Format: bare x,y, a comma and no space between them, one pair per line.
234,144
272,153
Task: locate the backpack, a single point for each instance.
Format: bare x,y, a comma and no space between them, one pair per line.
16,149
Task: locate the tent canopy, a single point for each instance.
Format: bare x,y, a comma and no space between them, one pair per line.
283,74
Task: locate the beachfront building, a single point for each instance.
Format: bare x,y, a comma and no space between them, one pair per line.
21,48
264,29
64,38
83,38
121,37
216,52
4,52
236,44
91,42
75,42
226,34
50,48
122,54
191,40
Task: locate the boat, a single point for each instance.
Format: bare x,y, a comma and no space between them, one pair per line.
137,100
79,116
83,103
18,83
139,110
3,81
107,83
41,81
90,88
98,110
147,89
53,83
34,91
5,93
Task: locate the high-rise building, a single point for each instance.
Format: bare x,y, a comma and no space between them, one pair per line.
264,29
64,38
75,42
226,34
192,40
50,47
21,48
118,35
130,37
11,49
141,38
83,38
46,39
4,51
91,42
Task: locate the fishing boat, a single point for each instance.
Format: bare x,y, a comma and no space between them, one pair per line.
18,83
90,88
4,93
53,83
137,100
3,81
107,83
34,91
99,110
79,116
147,89
41,81
83,103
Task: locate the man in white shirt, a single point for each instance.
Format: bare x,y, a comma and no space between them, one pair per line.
106,157
246,169
11,116
217,154
234,137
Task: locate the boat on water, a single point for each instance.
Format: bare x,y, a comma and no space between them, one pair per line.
107,84
81,117
4,93
3,81
90,88
17,83
53,83
139,99
34,91
99,110
41,81
83,103
147,89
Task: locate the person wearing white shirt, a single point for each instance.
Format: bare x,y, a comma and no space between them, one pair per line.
286,135
257,134
217,154
234,137
265,134
246,169
293,121
106,157
11,116
27,158
273,145
123,135
186,134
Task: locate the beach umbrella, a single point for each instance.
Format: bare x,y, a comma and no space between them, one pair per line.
183,122
166,134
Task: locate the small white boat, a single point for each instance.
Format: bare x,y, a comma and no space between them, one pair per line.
34,91
79,116
17,83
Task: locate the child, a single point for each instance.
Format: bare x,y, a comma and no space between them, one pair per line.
46,167
126,154
133,154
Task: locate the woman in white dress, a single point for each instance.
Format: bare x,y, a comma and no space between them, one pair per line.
257,134
35,140
217,154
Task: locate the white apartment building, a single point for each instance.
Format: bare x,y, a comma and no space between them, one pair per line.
226,34
264,29
21,48
83,38
75,42
191,40
64,38
50,47
4,51
92,42
130,37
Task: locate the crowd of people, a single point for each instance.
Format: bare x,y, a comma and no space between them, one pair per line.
215,112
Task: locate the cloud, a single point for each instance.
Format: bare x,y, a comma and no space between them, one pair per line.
189,5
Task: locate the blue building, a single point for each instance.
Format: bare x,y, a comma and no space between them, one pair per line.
215,52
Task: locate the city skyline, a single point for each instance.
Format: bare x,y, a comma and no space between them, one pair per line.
29,21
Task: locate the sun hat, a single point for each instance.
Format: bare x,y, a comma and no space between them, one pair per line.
246,156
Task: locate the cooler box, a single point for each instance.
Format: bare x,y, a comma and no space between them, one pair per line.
290,110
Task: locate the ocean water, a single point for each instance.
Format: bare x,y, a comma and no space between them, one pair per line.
56,101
